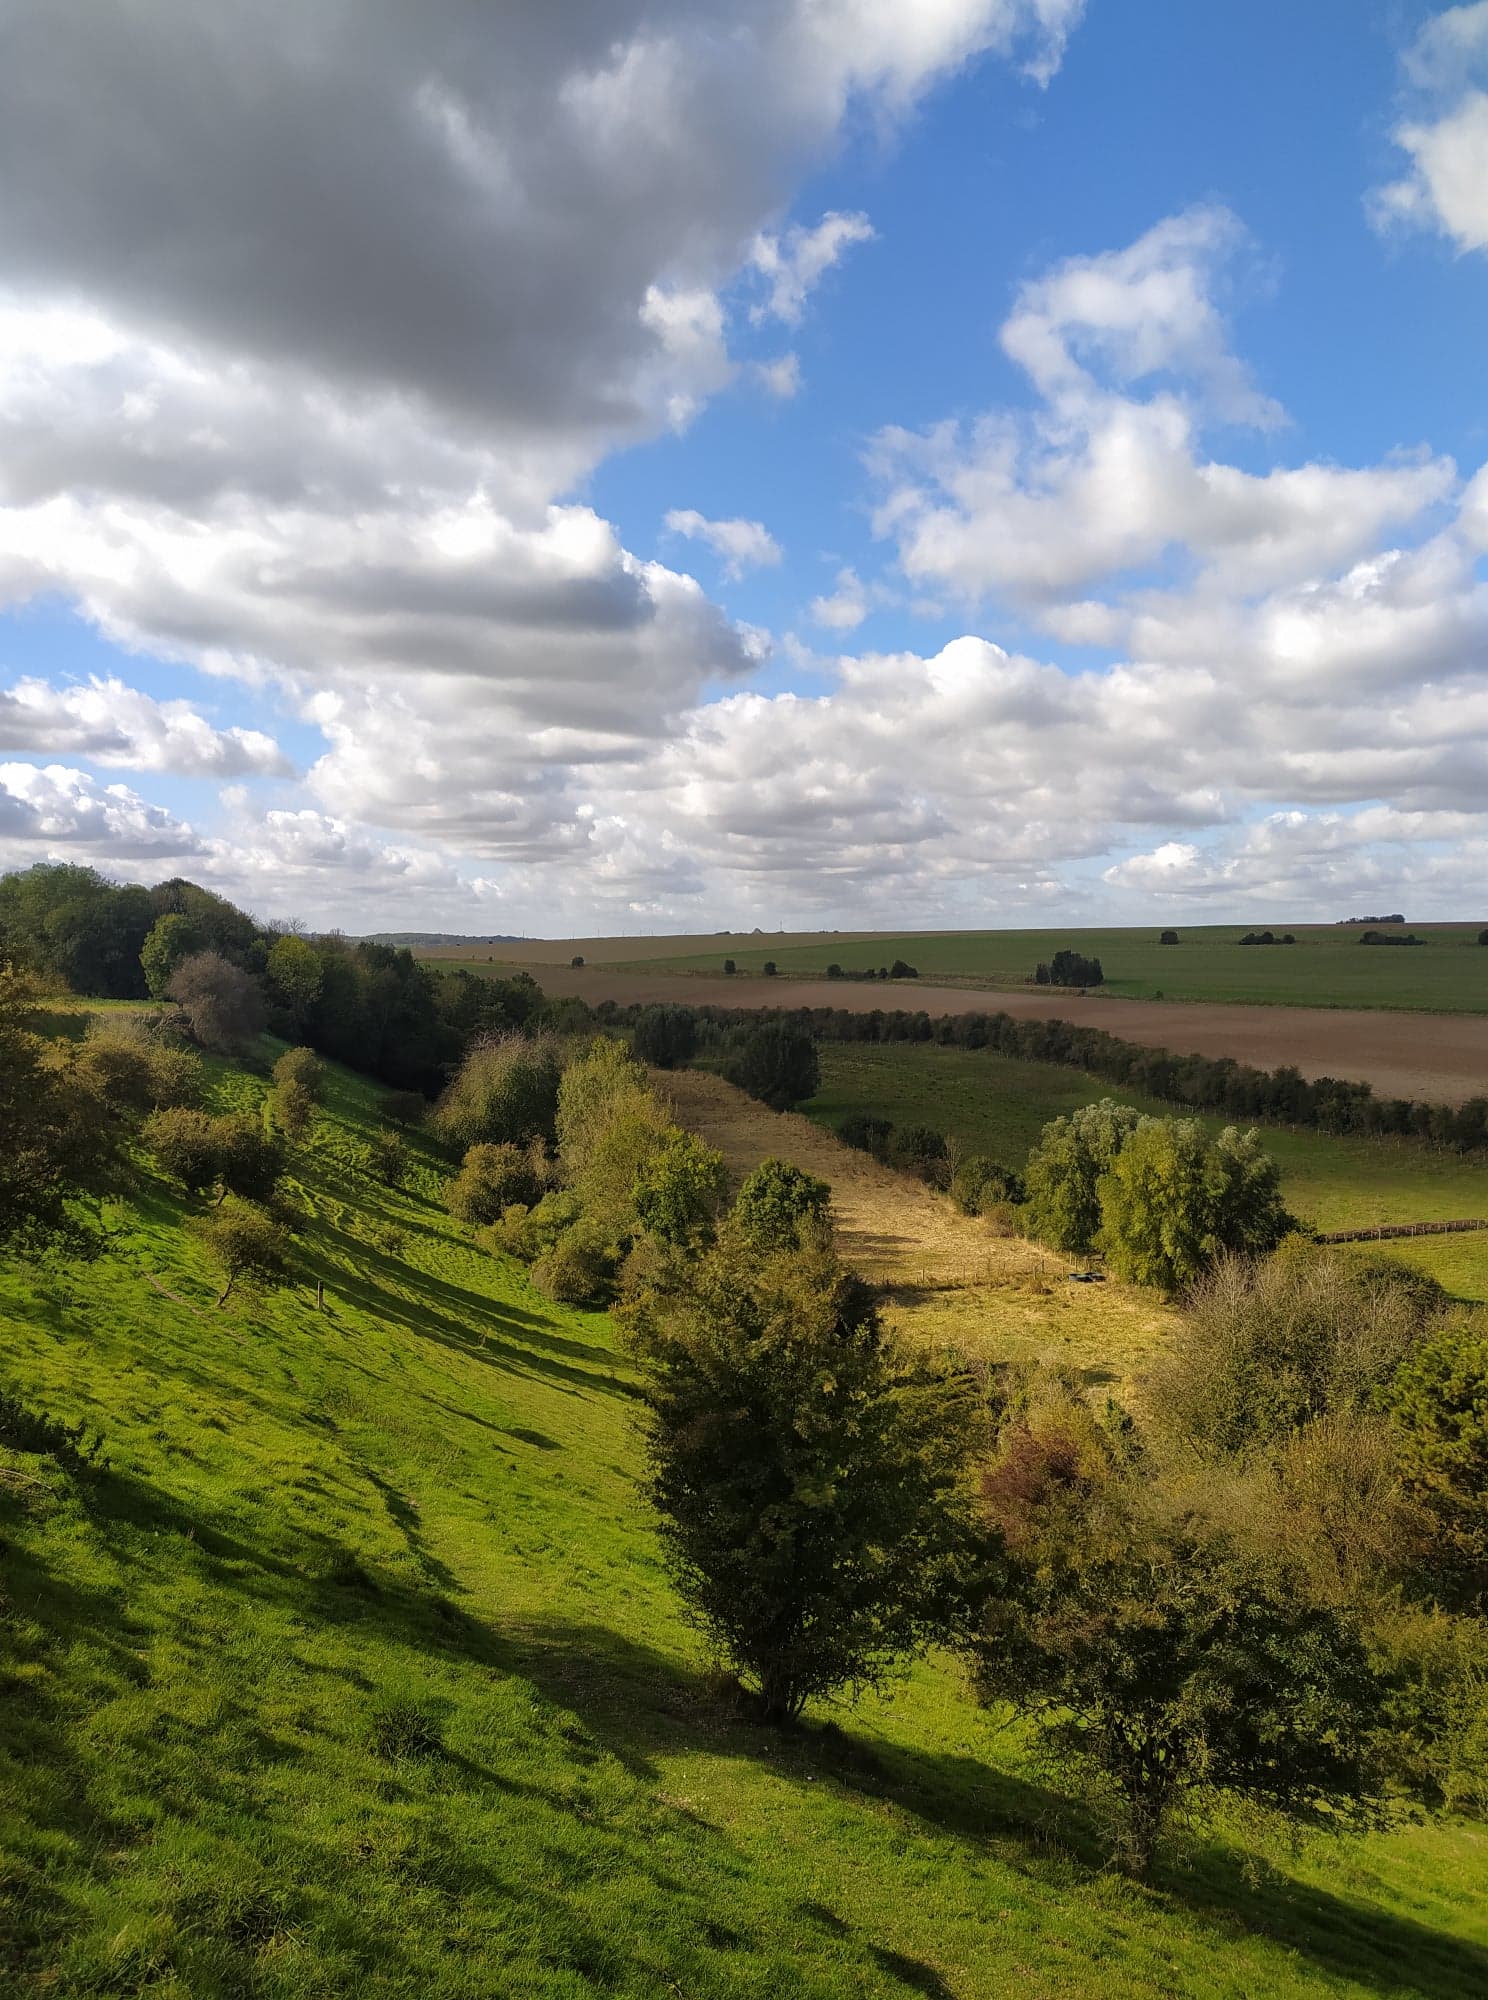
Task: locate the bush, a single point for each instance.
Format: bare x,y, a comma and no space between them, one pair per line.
1267,1347
491,1180
920,1149
246,1242
1168,937
899,970
867,1133
680,1190
1439,1403
980,1185
576,961
577,1270
1159,1659
402,1107
529,1233
729,966
303,1067
665,1037
232,1152
504,1092
779,1206
387,1157
36,1434
808,1473
223,1007
778,1065
133,1065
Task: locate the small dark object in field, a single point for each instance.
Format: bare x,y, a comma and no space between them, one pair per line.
1086,1277
404,1727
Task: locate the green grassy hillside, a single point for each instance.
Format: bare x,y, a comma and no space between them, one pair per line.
1326,967
997,1105
353,1672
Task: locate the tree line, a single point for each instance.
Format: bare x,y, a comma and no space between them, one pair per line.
1282,1096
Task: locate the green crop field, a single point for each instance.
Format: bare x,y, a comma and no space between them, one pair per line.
352,1671
1326,967
996,1105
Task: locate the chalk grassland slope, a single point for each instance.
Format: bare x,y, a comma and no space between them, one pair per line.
1326,967
952,1279
354,1672
1437,1058
993,1104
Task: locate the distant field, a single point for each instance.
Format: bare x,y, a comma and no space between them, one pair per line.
996,1105
1327,966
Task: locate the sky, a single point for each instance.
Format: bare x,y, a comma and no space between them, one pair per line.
626,465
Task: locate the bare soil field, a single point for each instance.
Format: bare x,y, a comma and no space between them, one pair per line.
1442,1058
951,1279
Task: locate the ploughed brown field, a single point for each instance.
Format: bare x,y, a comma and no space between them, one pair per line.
1441,1058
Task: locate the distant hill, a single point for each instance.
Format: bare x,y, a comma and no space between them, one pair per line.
435,937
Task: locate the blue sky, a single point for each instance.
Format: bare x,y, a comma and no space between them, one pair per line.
1106,543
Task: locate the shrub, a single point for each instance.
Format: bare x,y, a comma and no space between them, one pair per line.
778,1065
491,1180
201,1151
246,1242
132,1065
387,1156
504,1092
808,1472
980,1185
39,1435
576,961
769,968
223,1007
1267,1347
303,1067
779,1206
920,1149
867,1133
680,1190
1168,937
529,1233
1439,1403
729,966
402,1107
1483,937
834,971
577,1270
665,1037
1161,1661
899,970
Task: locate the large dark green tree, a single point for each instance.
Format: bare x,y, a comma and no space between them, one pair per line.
809,1473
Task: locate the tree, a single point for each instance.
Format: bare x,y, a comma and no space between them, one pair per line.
1160,1660
1070,968
808,1472
223,1005
680,1190
493,1179
577,960
729,966
51,1143
246,1242
294,974
1439,1403
505,1091
299,1076
1065,1168
665,1037
172,938
69,925
1172,1201
920,1149
1168,937
980,1185
387,1156
769,968
780,1205
778,1064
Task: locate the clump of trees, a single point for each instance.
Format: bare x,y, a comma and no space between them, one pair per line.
1069,968
1267,937
230,1152
665,1037
494,1178
980,1186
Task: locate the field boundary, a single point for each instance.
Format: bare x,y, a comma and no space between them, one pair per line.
1384,1230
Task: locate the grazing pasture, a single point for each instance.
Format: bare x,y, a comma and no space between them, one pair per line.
351,1669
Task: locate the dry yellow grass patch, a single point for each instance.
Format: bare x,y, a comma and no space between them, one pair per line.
950,1279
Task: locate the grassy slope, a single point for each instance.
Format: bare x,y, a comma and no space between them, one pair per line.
428,1494
999,1106
1326,967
